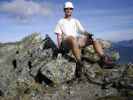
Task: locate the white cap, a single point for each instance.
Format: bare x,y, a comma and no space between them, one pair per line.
68,4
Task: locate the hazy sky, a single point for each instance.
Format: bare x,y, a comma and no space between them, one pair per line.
106,19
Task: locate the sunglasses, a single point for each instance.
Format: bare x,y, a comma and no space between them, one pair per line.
68,8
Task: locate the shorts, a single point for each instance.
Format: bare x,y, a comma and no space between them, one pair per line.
64,48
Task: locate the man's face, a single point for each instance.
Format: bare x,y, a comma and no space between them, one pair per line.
68,11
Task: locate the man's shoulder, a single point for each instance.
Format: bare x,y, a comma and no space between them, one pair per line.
75,20
61,20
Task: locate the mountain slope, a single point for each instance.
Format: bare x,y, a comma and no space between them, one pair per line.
125,49
31,71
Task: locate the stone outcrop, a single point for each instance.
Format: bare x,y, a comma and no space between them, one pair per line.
32,69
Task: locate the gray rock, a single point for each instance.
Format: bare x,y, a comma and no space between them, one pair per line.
40,60
90,54
22,62
59,70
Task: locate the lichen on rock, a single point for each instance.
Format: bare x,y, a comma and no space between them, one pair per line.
28,68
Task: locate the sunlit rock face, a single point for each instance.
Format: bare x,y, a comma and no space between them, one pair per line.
32,69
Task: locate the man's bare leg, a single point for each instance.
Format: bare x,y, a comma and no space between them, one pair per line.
104,58
73,44
98,48
76,45
76,50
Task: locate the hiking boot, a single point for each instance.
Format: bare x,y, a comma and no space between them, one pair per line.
107,61
78,71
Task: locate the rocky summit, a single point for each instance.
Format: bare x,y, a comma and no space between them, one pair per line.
34,69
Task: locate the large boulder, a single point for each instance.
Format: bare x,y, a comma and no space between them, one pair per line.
90,53
59,70
14,61
27,66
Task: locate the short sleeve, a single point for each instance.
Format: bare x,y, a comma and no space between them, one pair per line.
80,28
58,29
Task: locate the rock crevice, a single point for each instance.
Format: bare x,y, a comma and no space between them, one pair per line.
34,65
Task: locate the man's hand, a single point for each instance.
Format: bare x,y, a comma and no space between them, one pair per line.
89,38
58,40
89,35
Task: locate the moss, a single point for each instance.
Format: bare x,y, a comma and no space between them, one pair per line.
112,98
130,93
99,72
9,98
36,86
130,71
25,97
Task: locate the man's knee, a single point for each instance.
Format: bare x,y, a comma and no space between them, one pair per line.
97,43
82,41
72,41
70,38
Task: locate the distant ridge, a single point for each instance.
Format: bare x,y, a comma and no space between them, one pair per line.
125,48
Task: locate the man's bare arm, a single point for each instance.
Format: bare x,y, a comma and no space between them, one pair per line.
88,34
58,39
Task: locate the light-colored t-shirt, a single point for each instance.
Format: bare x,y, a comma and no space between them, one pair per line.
69,27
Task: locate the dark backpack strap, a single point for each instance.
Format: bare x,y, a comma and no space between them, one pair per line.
64,49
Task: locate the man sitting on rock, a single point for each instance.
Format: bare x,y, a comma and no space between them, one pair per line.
67,30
